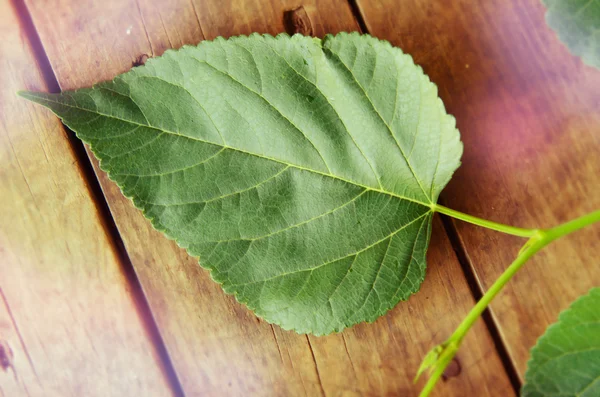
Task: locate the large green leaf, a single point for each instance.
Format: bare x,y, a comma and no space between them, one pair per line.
577,23
566,359
302,172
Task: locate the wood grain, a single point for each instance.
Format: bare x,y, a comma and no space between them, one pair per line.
69,325
529,115
218,346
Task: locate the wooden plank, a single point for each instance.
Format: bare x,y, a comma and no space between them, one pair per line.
69,324
218,346
529,114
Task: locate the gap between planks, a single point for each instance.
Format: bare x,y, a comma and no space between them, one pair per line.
95,191
461,254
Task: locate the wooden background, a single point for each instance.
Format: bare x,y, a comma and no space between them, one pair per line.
94,302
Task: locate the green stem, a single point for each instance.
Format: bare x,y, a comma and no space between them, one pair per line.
536,243
572,226
448,353
491,293
515,231
538,240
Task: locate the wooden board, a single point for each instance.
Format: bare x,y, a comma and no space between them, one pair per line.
529,115
69,324
217,346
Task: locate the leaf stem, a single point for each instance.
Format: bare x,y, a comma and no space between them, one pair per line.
538,240
572,226
515,231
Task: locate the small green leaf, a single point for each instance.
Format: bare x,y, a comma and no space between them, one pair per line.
577,23
566,359
302,172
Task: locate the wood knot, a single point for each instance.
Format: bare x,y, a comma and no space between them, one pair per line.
139,61
297,21
6,356
452,370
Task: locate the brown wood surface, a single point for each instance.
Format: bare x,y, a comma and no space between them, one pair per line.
216,345
529,116
69,325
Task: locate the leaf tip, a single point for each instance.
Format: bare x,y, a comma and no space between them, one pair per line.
32,95
24,94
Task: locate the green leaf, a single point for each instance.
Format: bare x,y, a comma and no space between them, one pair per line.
302,172
566,359
577,24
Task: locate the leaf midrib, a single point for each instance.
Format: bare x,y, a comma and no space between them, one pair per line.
46,99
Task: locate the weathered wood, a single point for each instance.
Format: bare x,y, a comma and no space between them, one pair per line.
529,115
69,325
218,346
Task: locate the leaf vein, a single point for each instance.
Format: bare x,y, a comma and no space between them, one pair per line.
337,259
381,117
